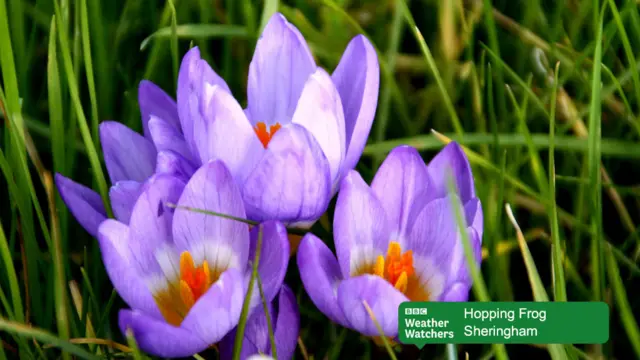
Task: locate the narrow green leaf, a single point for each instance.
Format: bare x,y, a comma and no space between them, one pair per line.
88,64
198,31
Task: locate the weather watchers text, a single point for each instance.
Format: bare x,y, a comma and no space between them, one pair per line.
422,323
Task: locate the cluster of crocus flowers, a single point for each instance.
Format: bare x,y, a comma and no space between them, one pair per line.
277,162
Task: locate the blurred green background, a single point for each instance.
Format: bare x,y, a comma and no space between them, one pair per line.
513,81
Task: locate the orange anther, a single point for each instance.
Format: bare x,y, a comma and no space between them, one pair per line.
264,134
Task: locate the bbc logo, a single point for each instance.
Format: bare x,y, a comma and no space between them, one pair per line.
415,311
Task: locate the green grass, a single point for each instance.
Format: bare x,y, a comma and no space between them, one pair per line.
544,97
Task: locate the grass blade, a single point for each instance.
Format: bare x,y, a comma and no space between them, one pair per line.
197,31
88,64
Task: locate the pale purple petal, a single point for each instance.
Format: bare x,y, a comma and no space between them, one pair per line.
320,112
361,228
435,232
166,137
321,276
381,297
457,269
85,204
274,256
458,292
451,160
127,154
217,312
113,237
401,184
158,338
357,79
174,164
206,236
226,134
281,64
292,180
287,324
123,196
474,215
154,101
194,74
151,218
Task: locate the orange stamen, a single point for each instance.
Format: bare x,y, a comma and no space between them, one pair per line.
264,134
396,268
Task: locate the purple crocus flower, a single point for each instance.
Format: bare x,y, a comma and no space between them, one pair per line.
300,133
184,273
285,322
396,241
130,159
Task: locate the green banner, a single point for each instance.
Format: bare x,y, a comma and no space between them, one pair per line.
422,323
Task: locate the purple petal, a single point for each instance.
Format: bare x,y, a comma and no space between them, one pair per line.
123,196
281,64
287,324
174,164
357,79
457,269
167,137
127,154
474,215
194,74
85,204
151,218
321,276
451,158
212,188
379,295
360,227
458,292
158,338
320,112
113,237
291,182
401,184
226,134
217,312
155,102
274,256
435,232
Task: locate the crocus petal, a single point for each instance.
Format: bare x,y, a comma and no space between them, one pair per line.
321,276
287,324
212,188
167,137
217,312
360,226
435,231
401,180
172,163
158,338
292,180
451,160
274,256
127,154
226,134
320,112
379,295
458,292
151,218
113,237
155,102
85,204
457,268
357,79
194,73
474,215
123,196
281,64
